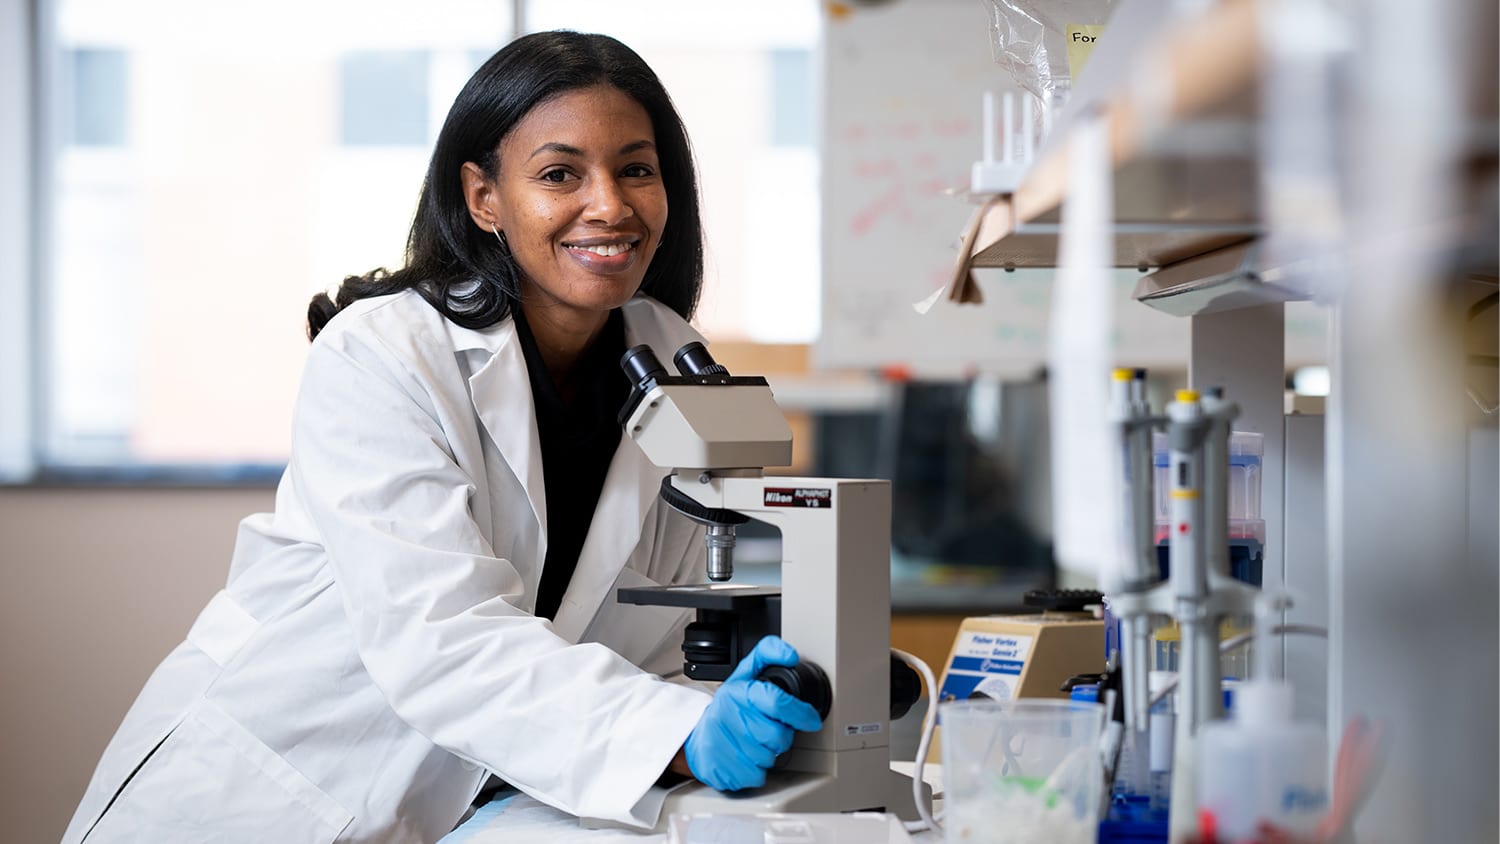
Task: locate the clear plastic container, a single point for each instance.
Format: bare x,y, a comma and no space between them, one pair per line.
1235,664
1246,452
1166,644
1133,770
1021,771
1163,728
1166,648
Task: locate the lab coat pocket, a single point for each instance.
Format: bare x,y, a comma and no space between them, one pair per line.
212,779
650,637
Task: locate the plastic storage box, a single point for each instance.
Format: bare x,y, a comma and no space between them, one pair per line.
1247,529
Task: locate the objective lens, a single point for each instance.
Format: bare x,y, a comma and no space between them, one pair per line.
720,540
640,365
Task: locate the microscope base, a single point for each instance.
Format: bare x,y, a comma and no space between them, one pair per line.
788,791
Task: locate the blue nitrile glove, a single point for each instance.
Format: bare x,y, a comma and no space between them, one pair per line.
748,723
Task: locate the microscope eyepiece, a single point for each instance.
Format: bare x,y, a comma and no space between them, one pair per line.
640,365
694,359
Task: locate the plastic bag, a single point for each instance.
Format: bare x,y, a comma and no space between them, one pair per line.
1043,43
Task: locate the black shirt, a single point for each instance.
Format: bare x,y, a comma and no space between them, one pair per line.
578,440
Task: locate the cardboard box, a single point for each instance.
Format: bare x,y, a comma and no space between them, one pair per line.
1011,656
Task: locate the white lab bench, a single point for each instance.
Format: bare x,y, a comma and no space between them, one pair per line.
513,817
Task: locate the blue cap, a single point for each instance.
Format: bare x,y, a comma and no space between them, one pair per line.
1088,692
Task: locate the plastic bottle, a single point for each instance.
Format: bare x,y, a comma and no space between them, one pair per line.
1261,766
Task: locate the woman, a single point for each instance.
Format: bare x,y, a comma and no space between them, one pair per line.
432,599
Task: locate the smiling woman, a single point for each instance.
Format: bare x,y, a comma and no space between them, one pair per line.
521,137
432,599
578,198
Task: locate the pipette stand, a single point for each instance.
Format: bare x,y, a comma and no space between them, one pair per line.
1199,593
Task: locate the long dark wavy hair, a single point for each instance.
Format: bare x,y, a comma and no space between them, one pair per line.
461,270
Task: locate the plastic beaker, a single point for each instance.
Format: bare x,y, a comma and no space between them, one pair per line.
1021,771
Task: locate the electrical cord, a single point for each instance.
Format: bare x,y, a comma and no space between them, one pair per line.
1235,641
929,726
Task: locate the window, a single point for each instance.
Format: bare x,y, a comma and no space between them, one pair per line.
208,167
383,98
792,98
98,86
207,177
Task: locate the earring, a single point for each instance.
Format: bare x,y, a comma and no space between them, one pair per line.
504,244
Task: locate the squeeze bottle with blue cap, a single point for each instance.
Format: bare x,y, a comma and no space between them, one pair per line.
1261,766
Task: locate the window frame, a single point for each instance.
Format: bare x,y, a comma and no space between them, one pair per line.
31,125
32,122
21,141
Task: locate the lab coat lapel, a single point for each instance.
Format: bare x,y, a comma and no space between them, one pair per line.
630,487
501,393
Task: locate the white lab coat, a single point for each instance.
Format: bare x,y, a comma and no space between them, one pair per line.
373,656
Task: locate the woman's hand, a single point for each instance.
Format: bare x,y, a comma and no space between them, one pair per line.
748,723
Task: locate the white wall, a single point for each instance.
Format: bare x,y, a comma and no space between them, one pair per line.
98,585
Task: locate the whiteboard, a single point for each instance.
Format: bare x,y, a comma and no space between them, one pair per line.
902,85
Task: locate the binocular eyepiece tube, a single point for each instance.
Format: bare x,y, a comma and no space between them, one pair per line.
694,359
643,368
641,364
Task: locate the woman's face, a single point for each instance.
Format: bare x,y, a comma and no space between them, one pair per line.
580,199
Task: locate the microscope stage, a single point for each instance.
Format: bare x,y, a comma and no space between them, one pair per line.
706,596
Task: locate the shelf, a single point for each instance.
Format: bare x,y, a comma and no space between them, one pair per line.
1221,280
1178,194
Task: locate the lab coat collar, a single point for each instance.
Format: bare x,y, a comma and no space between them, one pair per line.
630,487
502,399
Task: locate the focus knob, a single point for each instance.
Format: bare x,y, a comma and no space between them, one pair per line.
804,681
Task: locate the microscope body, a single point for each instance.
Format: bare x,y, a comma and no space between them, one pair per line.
717,433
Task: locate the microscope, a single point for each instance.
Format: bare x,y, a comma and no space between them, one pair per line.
716,433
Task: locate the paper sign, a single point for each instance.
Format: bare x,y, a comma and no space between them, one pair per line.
1081,40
